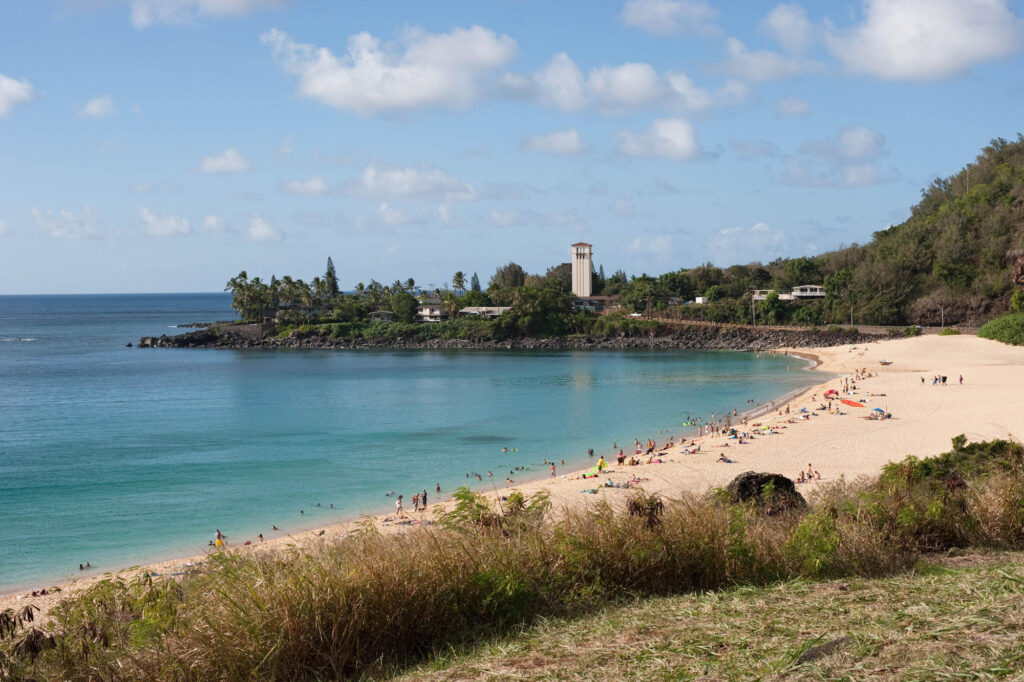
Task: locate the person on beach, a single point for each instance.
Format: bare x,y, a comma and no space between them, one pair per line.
552,470
438,487
398,505
415,502
218,539
423,499
259,538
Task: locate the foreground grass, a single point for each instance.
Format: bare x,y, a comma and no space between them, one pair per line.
370,604
952,619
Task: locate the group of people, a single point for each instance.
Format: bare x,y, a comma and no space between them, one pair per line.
940,380
810,475
419,501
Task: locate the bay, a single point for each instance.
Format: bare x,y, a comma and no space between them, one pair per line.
117,455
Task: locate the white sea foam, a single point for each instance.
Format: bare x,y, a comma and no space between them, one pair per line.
15,339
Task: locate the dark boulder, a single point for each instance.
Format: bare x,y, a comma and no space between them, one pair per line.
773,493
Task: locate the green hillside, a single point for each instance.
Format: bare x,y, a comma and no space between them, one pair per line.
953,260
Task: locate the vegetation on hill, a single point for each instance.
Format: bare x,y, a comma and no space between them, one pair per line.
368,603
956,260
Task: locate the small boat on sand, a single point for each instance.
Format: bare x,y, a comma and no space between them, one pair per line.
885,362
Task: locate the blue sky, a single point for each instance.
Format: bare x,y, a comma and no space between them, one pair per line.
164,145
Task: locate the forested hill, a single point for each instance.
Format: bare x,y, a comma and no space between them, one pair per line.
956,255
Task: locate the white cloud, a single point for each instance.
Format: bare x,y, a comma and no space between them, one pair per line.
790,106
214,223
163,225
660,246
927,40
392,216
669,17
439,69
230,161
853,143
99,107
844,160
629,85
746,244
13,92
311,187
260,230
762,65
148,12
565,142
559,84
385,183
788,26
623,207
860,174
286,148
671,138
698,100
65,224
504,218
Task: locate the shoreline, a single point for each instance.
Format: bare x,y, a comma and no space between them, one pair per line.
926,417
348,520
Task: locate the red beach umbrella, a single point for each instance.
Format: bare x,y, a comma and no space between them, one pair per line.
851,403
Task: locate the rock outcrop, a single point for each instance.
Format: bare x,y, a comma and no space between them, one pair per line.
772,493
687,336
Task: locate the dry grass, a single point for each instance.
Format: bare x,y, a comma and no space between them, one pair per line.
371,603
933,624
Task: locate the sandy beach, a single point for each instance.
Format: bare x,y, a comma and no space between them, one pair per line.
925,417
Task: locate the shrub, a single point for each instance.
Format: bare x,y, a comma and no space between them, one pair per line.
949,331
1008,329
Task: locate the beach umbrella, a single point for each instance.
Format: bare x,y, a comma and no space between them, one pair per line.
851,403
878,409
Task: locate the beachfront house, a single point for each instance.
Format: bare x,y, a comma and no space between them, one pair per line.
762,294
431,310
382,316
488,312
809,291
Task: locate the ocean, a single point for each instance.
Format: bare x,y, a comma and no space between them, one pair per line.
117,455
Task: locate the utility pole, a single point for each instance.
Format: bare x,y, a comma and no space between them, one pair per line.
942,316
753,314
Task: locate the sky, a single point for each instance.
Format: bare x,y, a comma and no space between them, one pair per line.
166,145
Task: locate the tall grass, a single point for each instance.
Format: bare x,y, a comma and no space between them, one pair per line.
370,602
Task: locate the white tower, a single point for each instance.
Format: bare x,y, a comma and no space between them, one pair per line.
581,269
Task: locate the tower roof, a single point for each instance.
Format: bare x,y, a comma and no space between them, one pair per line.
581,244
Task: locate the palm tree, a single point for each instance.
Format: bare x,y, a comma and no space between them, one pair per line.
450,303
459,281
239,288
410,285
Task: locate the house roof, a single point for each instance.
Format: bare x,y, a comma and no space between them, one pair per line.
581,244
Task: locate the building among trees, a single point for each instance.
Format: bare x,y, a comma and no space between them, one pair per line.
582,269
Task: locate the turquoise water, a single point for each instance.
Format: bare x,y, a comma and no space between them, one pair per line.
119,455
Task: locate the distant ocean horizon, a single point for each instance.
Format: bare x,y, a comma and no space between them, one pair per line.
118,455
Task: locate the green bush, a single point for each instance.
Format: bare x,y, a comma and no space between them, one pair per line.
1008,329
949,331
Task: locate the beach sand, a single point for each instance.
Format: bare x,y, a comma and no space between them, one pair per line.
925,419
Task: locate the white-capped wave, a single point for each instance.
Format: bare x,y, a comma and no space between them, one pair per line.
15,339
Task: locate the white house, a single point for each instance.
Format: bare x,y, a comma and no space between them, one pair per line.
489,312
382,316
431,312
809,291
